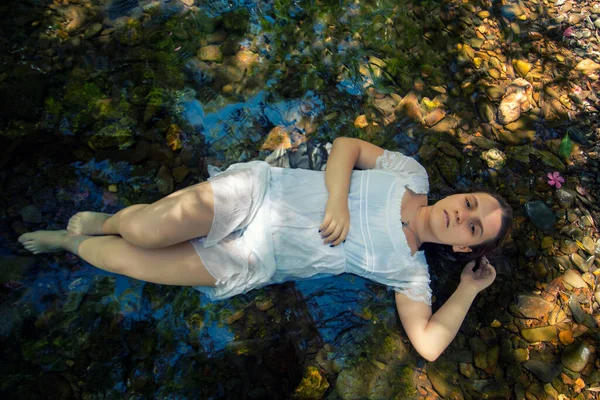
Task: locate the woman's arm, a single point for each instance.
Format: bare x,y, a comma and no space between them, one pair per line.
346,154
431,334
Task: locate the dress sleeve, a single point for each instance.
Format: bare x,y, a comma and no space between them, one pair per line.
418,180
416,291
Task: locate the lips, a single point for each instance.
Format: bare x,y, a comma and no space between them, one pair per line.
447,218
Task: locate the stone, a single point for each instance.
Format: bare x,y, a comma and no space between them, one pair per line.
494,158
568,246
565,197
530,306
312,386
487,389
518,98
522,67
495,92
573,279
210,53
409,106
361,122
587,67
580,262
540,215
541,334
589,245
446,125
516,137
442,377
544,371
547,242
449,169
435,116
449,150
92,30
579,315
31,215
576,356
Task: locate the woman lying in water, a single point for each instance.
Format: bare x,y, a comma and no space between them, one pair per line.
255,225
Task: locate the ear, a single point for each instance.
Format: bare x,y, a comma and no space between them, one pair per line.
461,249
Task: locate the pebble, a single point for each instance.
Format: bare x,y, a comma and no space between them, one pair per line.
31,215
580,262
573,279
565,197
568,247
530,306
576,356
540,215
589,245
544,371
541,334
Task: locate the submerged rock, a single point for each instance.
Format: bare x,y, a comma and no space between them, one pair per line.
541,334
312,386
576,356
544,371
530,306
540,215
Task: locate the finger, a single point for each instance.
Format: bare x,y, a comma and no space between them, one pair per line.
470,265
329,230
342,236
334,235
325,223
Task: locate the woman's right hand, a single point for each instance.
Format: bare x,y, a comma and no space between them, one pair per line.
336,221
480,279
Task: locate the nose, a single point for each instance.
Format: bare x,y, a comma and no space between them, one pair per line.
460,216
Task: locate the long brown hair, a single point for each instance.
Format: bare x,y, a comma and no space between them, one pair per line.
435,252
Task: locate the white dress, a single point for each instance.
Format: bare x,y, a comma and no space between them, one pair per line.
266,225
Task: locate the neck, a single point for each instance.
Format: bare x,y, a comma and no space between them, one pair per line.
421,226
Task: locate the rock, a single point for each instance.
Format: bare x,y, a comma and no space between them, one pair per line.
579,315
587,67
443,378
495,92
486,109
494,158
576,356
312,386
547,242
573,279
210,53
579,262
446,125
180,173
541,334
449,150
522,67
449,169
568,246
545,372
409,106
518,98
516,137
540,215
164,181
14,268
550,160
589,245
530,306
92,30
487,389
31,215
565,197
435,116
361,122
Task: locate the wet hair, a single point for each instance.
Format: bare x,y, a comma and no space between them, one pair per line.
443,254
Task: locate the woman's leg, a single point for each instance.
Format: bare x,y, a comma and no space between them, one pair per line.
173,265
183,215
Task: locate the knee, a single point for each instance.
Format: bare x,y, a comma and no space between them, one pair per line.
142,236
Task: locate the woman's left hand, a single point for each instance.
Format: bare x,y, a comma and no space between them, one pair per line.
480,279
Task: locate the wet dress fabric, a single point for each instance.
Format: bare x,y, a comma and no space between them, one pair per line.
266,222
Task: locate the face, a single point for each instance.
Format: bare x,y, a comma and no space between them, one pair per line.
465,220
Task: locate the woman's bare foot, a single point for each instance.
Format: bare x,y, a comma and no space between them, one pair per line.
87,223
40,242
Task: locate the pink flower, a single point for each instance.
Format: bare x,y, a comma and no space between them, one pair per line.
554,179
568,32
